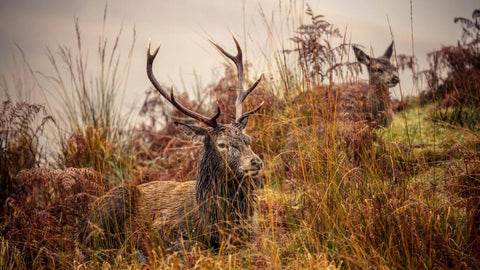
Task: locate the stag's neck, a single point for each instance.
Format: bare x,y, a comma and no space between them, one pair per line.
224,201
220,194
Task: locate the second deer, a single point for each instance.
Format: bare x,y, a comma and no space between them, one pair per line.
376,103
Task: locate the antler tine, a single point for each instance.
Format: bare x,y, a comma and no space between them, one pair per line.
250,112
212,122
242,93
208,121
249,90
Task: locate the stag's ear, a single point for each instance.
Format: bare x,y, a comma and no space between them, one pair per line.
361,56
389,51
193,133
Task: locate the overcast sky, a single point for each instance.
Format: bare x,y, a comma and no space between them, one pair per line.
183,27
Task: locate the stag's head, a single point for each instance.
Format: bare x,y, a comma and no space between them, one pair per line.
226,146
381,71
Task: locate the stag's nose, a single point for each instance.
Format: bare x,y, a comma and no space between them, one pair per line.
395,79
257,163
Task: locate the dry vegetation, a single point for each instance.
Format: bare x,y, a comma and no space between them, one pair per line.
335,194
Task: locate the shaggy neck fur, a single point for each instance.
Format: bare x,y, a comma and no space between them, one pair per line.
224,196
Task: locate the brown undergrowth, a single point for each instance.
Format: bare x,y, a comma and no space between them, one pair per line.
41,212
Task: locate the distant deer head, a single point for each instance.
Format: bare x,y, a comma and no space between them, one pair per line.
382,76
381,71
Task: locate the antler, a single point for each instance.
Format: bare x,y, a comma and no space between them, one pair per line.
242,93
212,122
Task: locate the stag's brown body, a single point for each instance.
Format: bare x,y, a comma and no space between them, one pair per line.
219,203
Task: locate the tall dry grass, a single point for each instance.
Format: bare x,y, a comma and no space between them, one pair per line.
92,121
41,207
21,130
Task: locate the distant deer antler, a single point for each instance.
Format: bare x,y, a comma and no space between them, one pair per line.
212,122
238,61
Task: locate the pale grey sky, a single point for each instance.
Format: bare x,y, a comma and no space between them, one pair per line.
183,26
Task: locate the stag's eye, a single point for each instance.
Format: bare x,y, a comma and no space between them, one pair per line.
222,145
235,145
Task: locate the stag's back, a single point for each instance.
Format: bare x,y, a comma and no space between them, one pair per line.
170,205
